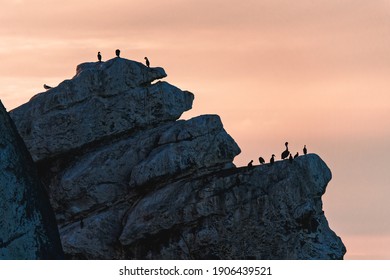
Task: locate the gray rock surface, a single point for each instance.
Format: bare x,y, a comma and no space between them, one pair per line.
100,176
184,148
28,228
264,212
127,180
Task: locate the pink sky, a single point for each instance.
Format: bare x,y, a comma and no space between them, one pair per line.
306,72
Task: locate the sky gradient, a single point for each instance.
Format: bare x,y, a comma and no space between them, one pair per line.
306,72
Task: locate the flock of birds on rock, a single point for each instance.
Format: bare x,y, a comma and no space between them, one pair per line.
117,53
285,154
99,56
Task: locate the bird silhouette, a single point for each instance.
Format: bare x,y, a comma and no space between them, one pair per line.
290,158
250,164
147,61
286,152
296,155
99,56
45,86
117,52
304,150
272,160
261,160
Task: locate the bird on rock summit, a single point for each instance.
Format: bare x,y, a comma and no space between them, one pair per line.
285,152
261,160
147,61
45,86
272,160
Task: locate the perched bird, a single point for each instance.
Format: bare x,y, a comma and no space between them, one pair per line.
304,150
250,164
261,160
117,52
147,61
296,155
99,56
290,158
286,152
272,160
45,86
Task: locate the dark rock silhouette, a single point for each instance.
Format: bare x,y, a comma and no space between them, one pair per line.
145,185
28,227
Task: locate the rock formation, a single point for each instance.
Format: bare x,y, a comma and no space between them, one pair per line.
28,228
127,179
101,101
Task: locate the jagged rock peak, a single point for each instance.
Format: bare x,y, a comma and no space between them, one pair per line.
102,100
28,229
122,73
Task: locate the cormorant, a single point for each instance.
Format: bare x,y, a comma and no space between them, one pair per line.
290,158
296,155
99,56
147,61
304,150
250,164
117,52
261,160
272,160
286,152
45,86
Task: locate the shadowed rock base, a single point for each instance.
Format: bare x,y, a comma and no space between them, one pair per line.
28,228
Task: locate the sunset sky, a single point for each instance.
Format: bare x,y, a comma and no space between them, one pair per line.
306,72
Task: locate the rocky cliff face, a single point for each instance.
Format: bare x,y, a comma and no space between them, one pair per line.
127,179
28,228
